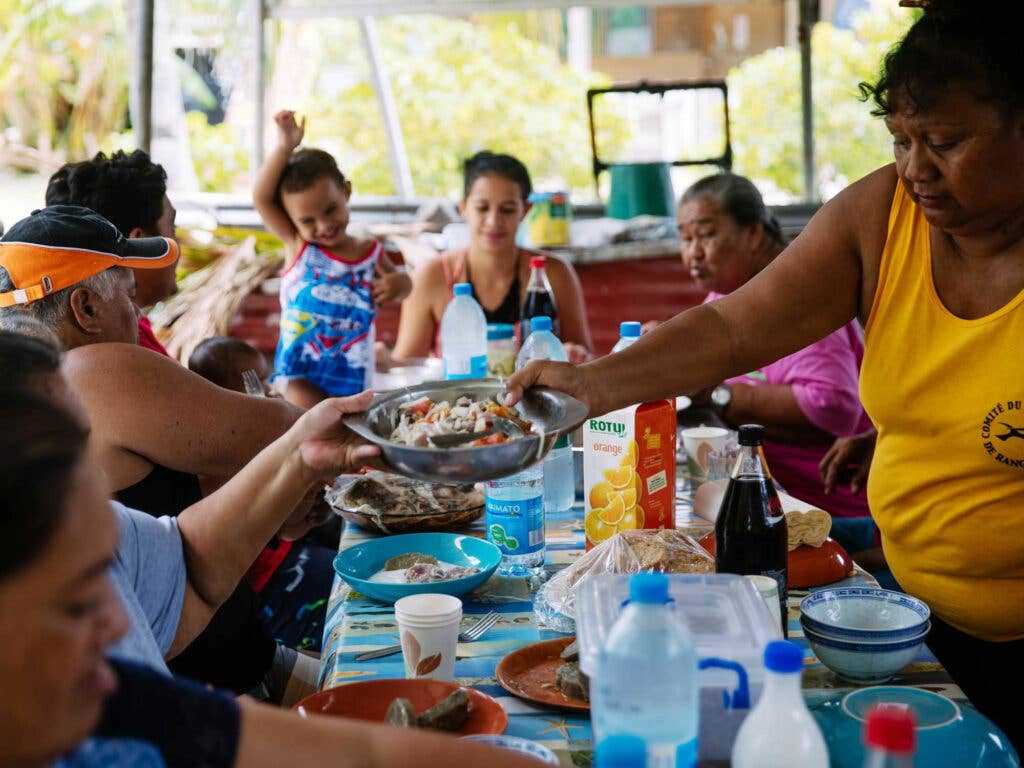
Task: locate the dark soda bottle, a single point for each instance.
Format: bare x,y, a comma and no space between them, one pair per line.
540,300
750,530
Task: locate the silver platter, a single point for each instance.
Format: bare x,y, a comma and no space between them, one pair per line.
552,413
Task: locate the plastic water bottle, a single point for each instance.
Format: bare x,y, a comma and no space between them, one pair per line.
646,678
780,731
559,474
889,737
464,336
515,520
621,750
629,332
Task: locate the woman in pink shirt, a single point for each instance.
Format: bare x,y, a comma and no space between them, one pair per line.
804,400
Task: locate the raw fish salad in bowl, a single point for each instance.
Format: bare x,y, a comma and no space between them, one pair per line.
419,568
422,420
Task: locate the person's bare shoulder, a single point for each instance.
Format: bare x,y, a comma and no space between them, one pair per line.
862,210
865,206
116,373
113,355
431,276
361,246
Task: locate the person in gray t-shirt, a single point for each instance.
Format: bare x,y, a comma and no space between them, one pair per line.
149,576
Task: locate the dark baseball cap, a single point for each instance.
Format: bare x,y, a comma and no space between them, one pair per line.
62,245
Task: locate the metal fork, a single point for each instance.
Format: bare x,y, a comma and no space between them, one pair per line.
253,385
471,634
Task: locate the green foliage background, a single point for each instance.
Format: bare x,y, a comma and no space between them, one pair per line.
460,86
63,74
764,95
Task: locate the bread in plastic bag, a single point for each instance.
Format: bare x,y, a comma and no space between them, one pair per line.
666,551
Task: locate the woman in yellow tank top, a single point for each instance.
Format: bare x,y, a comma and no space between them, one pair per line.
929,254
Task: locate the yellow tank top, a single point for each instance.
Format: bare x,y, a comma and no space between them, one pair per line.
947,480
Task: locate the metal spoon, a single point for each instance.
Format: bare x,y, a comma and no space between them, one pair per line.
498,424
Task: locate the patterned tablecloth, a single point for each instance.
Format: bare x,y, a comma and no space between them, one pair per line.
355,624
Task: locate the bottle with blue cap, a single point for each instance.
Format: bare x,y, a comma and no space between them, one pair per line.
780,731
464,336
559,475
621,750
629,332
645,682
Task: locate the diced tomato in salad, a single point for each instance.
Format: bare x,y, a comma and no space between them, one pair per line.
494,439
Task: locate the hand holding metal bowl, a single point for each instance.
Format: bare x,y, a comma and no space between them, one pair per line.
551,413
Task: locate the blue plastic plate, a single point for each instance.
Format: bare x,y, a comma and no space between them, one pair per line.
949,733
357,564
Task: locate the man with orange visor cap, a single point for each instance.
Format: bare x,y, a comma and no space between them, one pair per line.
61,255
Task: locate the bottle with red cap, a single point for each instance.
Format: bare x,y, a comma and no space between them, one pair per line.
889,737
540,299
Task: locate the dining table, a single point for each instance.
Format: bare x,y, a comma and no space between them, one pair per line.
355,624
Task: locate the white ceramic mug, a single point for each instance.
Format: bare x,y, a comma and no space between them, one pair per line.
428,625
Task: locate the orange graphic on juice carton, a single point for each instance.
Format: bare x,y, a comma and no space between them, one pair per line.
629,464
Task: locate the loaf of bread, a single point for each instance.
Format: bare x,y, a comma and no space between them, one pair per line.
808,527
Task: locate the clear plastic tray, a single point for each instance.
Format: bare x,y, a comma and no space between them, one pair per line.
731,625
725,614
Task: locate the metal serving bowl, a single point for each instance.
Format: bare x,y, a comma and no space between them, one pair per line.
552,413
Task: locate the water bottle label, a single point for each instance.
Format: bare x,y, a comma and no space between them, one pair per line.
466,368
516,527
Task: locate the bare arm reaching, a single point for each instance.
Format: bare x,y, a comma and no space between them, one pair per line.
272,737
222,534
823,279
264,193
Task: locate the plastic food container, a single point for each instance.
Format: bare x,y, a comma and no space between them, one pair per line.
731,626
501,350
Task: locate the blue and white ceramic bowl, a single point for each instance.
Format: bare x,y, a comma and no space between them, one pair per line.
865,663
948,733
863,614
516,744
357,564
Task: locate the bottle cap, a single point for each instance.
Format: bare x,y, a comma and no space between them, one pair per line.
890,727
463,289
621,750
538,262
751,434
497,331
783,656
629,330
540,323
649,588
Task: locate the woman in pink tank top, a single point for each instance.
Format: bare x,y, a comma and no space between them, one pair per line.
805,400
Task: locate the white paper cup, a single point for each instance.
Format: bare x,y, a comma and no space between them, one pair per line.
428,625
769,590
699,443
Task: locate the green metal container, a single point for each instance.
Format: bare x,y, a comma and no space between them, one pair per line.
640,189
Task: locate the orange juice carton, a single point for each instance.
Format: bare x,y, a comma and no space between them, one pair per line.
629,470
